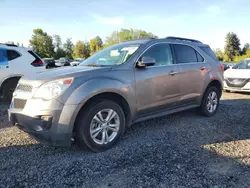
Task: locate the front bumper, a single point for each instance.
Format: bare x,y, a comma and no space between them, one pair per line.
48,122
245,88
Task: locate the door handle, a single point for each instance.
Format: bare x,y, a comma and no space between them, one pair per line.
172,73
203,68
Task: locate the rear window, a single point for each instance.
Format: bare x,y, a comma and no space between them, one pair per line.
208,51
12,54
34,55
186,54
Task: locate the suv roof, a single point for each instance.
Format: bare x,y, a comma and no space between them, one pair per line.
169,39
9,44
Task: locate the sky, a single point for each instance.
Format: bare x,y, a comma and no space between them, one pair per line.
205,20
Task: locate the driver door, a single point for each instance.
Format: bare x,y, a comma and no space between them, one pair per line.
157,86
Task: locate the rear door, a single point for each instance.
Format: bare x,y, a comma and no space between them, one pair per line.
190,75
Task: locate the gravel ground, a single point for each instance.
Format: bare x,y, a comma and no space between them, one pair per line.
180,150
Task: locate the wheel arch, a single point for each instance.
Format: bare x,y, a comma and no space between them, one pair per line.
113,96
215,83
6,80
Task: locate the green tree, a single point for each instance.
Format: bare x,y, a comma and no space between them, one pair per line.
80,50
42,43
232,47
219,54
87,44
68,48
59,53
126,34
240,58
245,48
95,45
57,41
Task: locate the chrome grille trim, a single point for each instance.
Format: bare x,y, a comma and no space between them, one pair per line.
24,87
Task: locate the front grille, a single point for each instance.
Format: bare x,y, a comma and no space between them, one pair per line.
236,79
19,103
24,87
236,82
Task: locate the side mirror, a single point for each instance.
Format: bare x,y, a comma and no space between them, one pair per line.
145,62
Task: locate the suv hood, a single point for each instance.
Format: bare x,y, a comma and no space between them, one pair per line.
63,72
237,73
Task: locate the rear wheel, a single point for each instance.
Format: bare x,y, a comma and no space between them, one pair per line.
100,126
210,102
8,88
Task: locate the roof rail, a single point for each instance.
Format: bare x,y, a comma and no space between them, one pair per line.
186,39
9,44
146,38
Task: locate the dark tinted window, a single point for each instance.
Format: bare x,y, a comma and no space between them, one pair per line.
208,51
3,57
199,57
34,55
12,54
185,54
161,53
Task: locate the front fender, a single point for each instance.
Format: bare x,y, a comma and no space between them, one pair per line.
94,87
97,86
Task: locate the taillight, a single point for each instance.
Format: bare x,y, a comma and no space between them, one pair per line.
37,63
222,67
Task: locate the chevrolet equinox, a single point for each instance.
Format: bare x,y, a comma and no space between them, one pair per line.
129,82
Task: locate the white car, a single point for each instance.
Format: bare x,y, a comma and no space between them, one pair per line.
14,63
77,61
237,78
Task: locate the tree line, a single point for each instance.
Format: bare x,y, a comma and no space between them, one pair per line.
47,46
232,50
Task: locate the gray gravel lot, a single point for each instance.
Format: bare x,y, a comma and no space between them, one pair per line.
180,150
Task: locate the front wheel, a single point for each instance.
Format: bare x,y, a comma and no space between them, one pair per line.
210,102
100,126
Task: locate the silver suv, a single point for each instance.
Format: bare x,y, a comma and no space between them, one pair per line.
129,82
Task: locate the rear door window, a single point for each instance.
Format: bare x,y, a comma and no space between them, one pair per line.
186,54
12,54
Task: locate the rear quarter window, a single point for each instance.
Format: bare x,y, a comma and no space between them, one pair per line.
34,55
209,52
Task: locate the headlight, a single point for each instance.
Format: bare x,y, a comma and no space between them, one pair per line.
53,89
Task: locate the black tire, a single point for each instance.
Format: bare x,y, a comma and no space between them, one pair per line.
203,108
8,89
82,129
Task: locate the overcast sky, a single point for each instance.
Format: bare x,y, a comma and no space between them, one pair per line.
205,20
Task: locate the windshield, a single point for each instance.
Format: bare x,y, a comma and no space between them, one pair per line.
245,64
113,55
